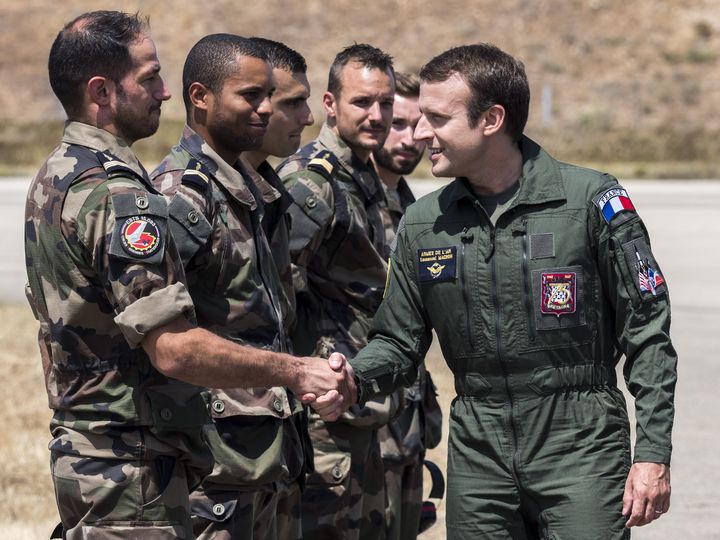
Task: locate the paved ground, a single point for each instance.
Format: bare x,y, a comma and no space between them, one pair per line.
684,220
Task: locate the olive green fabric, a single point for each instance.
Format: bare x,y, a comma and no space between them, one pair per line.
532,316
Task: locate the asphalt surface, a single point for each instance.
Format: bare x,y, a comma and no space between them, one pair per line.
683,218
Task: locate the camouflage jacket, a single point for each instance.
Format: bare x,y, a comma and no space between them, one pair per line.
217,217
397,201
407,436
337,245
102,272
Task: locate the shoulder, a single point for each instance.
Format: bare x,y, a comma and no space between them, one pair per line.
583,184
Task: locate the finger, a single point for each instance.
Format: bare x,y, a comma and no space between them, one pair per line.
336,361
627,499
327,400
307,399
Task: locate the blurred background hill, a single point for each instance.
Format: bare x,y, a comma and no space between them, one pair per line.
612,80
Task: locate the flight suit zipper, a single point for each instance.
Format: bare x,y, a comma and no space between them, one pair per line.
527,286
465,238
496,303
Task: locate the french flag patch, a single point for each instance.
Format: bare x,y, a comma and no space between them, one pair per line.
614,201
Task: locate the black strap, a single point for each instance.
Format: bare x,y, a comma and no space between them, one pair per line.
58,532
438,480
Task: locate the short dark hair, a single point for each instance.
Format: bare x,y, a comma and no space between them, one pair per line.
407,84
213,58
280,56
367,55
93,44
494,78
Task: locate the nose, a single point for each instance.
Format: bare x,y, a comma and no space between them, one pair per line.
374,112
164,92
423,131
406,137
265,106
309,118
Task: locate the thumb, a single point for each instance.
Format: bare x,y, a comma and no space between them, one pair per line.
336,361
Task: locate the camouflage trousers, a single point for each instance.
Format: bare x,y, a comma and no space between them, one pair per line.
344,498
289,512
404,485
219,514
110,499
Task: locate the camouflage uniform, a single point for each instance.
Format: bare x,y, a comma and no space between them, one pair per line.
127,441
219,220
402,441
338,248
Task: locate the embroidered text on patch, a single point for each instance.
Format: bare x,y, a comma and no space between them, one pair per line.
140,236
614,201
558,293
437,264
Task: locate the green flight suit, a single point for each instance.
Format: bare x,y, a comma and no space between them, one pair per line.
532,315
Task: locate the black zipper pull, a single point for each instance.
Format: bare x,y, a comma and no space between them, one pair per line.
492,245
467,236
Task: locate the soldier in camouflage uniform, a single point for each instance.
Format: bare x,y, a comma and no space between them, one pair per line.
291,114
403,440
107,287
222,218
338,249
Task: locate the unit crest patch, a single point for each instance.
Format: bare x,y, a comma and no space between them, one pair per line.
558,292
140,236
437,264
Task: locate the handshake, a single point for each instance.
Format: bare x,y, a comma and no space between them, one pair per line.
327,386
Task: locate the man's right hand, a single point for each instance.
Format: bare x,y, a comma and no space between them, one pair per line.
328,386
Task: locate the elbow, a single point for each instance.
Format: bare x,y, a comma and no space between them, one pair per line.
170,352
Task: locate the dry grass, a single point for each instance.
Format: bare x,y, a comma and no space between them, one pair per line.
28,510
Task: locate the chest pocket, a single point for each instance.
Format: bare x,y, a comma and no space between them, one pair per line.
560,283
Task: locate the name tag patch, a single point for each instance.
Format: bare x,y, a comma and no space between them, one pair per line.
437,264
558,291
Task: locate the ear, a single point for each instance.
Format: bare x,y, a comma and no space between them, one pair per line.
329,104
494,120
100,90
199,96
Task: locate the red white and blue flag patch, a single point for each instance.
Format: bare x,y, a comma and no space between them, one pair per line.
614,201
649,279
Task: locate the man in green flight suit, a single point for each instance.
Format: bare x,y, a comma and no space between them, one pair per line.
537,276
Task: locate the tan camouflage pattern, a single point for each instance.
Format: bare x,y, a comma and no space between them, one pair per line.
258,435
339,275
95,302
398,199
404,486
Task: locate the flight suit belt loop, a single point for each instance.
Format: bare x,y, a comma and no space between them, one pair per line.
540,381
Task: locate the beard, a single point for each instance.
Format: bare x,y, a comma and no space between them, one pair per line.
132,123
385,159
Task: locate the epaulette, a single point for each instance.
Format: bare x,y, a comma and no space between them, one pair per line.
324,163
196,175
115,167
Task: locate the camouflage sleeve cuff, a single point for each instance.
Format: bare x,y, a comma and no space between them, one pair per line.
652,454
153,311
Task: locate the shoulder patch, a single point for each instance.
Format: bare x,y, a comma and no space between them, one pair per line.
645,272
140,236
612,202
324,163
196,175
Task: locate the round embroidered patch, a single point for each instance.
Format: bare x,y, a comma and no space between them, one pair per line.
140,236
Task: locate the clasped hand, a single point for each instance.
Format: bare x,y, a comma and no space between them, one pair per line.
328,386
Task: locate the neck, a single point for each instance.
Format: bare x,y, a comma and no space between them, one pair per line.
389,178
255,157
361,153
499,170
227,155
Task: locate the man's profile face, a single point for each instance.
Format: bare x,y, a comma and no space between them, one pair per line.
140,93
238,114
291,113
363,109
401,153
454,147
